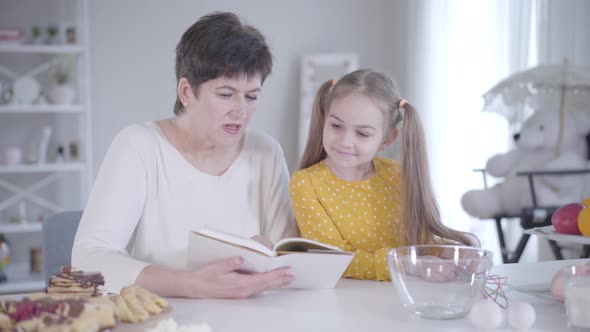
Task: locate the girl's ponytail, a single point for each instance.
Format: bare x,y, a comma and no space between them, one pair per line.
314,149
421,211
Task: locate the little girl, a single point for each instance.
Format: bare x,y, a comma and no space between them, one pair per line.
344,195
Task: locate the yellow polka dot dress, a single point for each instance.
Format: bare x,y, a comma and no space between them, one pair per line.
363,217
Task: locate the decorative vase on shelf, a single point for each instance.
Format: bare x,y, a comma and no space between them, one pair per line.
63,94
61,68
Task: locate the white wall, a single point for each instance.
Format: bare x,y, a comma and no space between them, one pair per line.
566,34
132,56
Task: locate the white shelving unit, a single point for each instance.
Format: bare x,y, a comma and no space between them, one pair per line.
52,186
42,168
25,285
41,109
20,280
42,49
25,227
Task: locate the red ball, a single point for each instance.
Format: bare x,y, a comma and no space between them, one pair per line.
565,219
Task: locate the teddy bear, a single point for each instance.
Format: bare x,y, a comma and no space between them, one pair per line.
535,150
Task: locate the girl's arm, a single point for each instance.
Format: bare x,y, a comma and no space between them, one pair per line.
315,223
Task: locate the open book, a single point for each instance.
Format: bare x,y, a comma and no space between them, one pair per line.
313,264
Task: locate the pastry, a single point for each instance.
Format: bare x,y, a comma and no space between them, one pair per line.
122,311
71,280
134,304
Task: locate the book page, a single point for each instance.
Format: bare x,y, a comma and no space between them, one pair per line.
299,244
235,240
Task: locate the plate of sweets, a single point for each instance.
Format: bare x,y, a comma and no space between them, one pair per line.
73,302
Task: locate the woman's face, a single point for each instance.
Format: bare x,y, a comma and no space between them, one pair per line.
223,107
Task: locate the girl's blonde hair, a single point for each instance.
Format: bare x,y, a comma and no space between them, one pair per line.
421,213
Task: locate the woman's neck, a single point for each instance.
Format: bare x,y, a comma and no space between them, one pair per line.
197,149
359,173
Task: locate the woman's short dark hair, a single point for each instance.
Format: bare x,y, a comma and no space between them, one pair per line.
219,44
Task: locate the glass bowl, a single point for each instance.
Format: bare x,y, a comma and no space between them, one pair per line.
439,281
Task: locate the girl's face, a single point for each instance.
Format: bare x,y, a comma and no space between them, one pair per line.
355,130
223,107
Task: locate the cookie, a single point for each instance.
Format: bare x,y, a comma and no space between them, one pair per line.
96,312
67,314
73,290
134,304
5,322
70,280
146,300
122,311
155,298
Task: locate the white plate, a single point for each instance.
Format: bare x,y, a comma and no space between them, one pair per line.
548,232
26,90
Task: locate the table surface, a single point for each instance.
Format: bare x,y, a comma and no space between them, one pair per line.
356,305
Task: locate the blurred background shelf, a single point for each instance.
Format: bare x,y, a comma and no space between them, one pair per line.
12,228
35,109
41,168
42,49
24,286
21,280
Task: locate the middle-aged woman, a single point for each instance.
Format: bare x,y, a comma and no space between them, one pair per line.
162,179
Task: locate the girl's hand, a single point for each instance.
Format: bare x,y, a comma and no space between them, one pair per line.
221,280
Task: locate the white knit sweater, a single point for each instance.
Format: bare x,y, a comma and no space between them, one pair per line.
147,198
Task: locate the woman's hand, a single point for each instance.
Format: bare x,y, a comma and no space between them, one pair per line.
221,280
216,280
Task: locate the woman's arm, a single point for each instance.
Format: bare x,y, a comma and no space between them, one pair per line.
216,280
114,208
315,223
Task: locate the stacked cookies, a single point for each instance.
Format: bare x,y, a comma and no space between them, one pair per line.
70,280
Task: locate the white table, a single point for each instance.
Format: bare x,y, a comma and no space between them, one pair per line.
355,306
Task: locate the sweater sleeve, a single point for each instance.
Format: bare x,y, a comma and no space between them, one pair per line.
315,223
111,215
280,222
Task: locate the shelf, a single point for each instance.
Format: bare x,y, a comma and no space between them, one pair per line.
41,49
25,286
9,228
41,168
33,109
21,280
